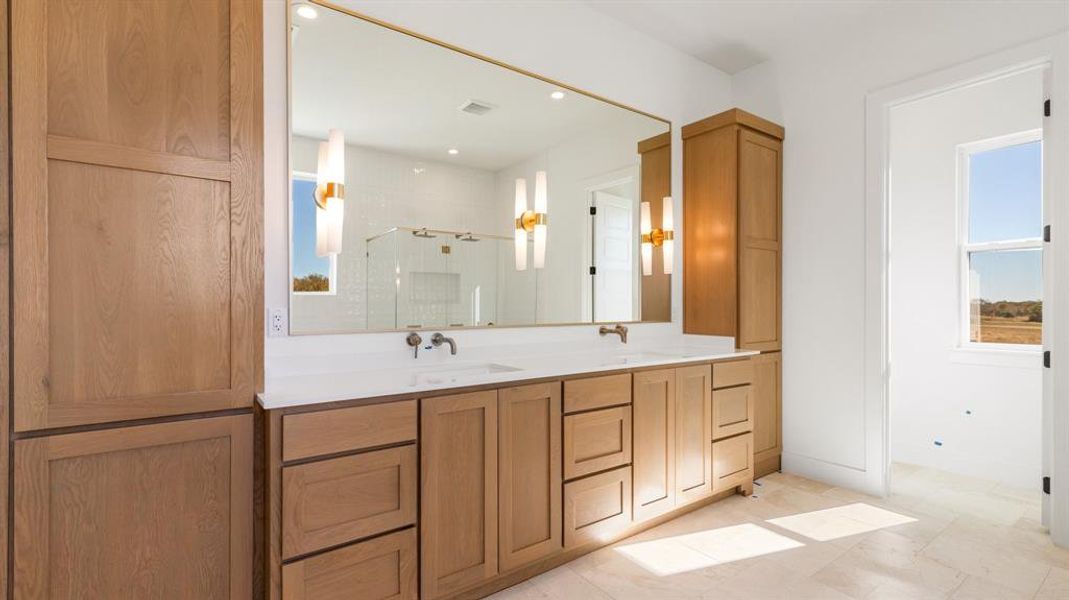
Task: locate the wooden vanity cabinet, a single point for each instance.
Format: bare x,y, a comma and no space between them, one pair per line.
458,492
768,409
529,471
732,187
654,445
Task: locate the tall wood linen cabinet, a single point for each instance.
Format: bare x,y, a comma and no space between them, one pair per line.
732,252
136,295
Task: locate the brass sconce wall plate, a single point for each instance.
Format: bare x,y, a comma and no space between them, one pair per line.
529,219
657,237
331,190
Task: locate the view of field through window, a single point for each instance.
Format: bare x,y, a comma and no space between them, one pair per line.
1004,246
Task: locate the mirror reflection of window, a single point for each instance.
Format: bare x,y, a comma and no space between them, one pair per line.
312,274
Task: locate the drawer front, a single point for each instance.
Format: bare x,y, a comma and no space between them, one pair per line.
732,462
379,569
736,372
336,501
311,434
596,441
733,411
597,507
597,392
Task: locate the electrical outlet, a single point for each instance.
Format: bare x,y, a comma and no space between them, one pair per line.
276,322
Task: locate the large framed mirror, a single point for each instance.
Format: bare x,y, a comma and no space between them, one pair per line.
435,188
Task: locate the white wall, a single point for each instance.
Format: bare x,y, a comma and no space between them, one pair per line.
818,93
962,398
568,42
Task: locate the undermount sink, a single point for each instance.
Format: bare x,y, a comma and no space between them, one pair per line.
444,375
629,359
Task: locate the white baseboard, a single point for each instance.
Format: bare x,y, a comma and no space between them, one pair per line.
831,473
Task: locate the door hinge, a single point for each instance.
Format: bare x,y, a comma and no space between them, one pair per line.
593,270
1046,107
1046,233
1046,358
1046,485
593,210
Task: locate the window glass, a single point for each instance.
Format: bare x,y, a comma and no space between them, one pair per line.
1005,193
311,273
1005,297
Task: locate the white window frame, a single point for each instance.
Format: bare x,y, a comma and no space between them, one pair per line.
966,248
332,277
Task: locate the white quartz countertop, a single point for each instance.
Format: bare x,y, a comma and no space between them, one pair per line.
302,380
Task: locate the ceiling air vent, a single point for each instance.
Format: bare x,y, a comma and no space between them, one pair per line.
476,107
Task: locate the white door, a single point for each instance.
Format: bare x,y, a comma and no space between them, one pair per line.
614,258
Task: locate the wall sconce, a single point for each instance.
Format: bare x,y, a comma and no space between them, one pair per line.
531,221
661,237
329,194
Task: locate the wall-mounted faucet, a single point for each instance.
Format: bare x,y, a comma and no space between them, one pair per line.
438,339
414,340
619,330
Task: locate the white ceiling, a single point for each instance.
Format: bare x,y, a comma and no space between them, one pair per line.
396,93
733,35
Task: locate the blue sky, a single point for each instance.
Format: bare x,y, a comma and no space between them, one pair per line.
1005,203
305,260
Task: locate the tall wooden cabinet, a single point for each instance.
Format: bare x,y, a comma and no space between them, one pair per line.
136,157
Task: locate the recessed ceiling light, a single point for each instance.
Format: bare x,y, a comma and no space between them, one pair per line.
557,95
454,151
307,11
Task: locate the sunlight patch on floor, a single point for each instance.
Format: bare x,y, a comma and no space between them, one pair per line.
702,549
841,521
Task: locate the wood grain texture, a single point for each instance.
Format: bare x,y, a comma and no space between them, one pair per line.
384,568
768,412
529,468
458,492
326,432
656,157
596,441
654,445
5,299
146,223
596,392
760,190
693,434
710,249
333,502
733,411
273,509
152,511
732,373
733,462
734,116
597,507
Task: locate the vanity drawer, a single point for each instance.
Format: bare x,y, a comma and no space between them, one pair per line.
733,411
378,569
597,507
305,435
596,441
736,372
336,501
732,462
597,392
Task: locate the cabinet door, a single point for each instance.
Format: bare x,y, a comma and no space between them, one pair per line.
383,568
596,441
458,500
136,172
733,411
596,508
694,436
654,445
733,462
530,470
151,511
759,241
767,397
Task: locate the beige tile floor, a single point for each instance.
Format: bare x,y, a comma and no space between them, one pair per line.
938,536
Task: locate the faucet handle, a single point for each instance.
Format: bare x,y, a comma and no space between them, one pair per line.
414,340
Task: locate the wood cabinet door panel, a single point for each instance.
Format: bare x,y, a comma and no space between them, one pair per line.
767,407
654,445
596,392
530,473
151,511
731,373
136,221
693,435
760,159
732,462
733,411
335,501
596,441
384,568
597,507
458,492
306,435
